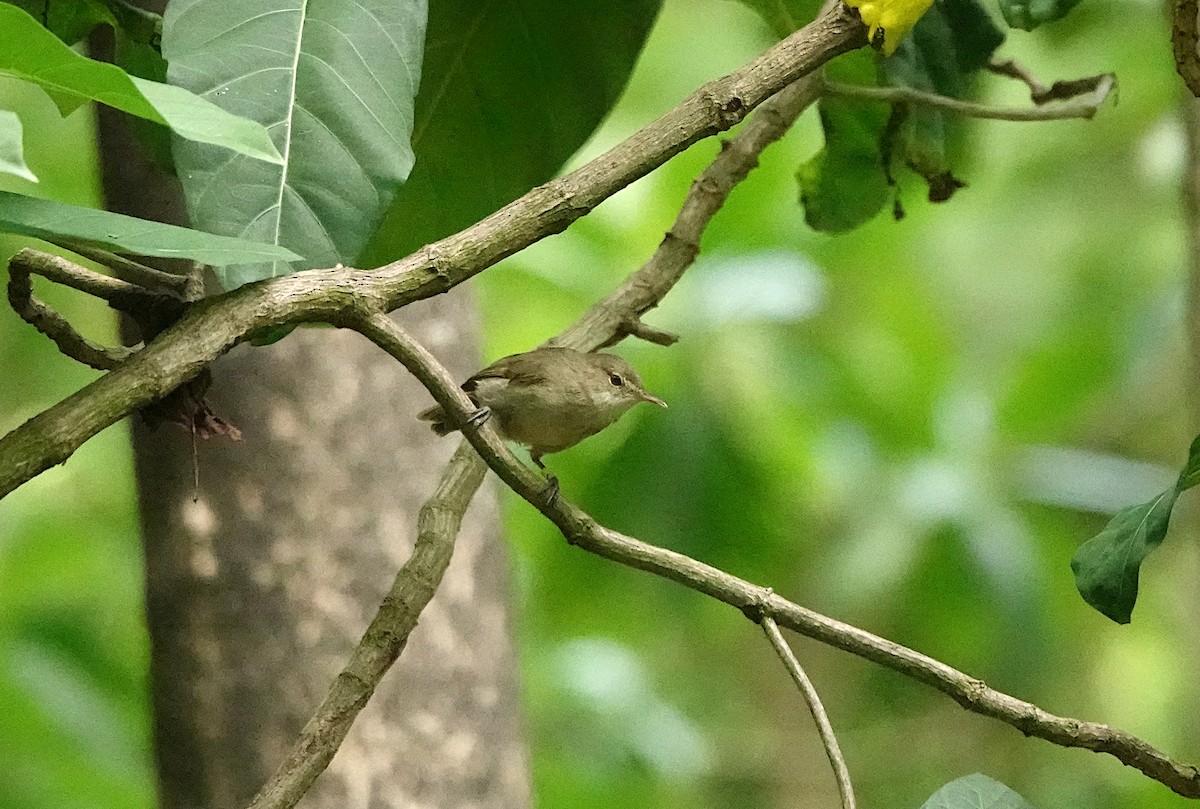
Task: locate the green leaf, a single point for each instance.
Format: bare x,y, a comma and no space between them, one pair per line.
1029,14
335,87
513,89
974,37
69,20
975,791
141,59
30,52
953,41
12,152
1106,567
49,219
846,183
200,122
849,181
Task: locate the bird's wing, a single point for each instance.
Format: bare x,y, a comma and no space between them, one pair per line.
518,369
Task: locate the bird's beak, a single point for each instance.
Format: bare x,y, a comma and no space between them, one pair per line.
651,398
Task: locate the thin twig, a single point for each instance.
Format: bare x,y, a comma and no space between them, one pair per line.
49,322
650,334
757,602
1083,107
151,309
127,297
612,318
1061,90
813,700
1013,69
129,270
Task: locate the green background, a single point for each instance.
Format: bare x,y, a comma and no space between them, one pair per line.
910,428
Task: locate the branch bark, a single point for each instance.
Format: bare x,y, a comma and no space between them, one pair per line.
605,323
1184,40
121,295
813,700
384,639
213,326
756,602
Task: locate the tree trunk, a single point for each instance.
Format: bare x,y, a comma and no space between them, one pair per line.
260,581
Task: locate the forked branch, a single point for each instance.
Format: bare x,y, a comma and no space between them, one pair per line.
813,700
211,327
605,323
756,602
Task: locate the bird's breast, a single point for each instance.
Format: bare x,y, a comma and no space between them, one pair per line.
548,418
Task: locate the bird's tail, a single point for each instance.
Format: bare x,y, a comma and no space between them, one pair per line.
439,423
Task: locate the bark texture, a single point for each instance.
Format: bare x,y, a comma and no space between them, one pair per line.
257,589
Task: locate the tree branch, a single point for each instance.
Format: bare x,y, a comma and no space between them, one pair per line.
756,602
1184,41
617,315
605,323
132,271
213,326
385,638
1061,90
813,700
119,294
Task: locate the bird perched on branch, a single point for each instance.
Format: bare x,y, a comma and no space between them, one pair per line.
550,398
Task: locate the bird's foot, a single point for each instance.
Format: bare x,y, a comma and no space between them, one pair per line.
550,492
479,417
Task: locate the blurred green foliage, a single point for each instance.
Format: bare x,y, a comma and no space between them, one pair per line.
74,724
910,427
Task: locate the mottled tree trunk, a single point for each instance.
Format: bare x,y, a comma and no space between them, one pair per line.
257,589
1190,117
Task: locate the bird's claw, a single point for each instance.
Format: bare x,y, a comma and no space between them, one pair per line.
550,492
479,417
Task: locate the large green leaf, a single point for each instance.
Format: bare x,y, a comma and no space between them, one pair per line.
56,221
950,43
513,89
847,183
12,151
334,81
953,41
975,791
30,52
1107,565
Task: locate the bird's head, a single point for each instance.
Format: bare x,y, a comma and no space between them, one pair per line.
621,388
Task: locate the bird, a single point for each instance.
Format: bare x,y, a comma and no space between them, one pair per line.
549,399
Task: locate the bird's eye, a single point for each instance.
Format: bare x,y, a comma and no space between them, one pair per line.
616,380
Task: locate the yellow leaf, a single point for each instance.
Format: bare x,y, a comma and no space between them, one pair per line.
889,20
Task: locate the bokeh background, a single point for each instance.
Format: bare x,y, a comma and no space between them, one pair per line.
910,428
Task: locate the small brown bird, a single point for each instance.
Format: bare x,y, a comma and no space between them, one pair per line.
550,398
